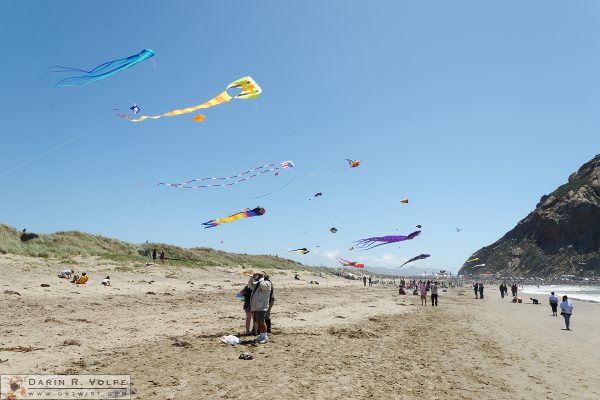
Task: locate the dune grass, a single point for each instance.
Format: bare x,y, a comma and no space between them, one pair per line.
66,245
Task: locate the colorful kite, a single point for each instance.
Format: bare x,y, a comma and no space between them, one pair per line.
419,257
333,230
259,171
346,263
369,243
303,250
250,90
247,213
353,163
405,201
135,109
473,259
101,71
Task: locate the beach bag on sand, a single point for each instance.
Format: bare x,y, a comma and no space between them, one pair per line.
230,339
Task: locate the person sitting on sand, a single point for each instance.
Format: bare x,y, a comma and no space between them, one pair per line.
66,274
106,281
82,280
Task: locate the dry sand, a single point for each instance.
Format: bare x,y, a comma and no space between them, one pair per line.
334,340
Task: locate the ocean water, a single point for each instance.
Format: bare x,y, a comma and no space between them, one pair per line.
583,293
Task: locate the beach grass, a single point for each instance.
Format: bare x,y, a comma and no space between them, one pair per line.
67,245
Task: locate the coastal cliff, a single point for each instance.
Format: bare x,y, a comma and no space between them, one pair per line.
561,236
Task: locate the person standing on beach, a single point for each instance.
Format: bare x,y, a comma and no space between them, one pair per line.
423,289
162,256
370,281
553,300
271,302
259,303
481,290
502,290
153,255
476,290
247,292
434,294
364,281
566,309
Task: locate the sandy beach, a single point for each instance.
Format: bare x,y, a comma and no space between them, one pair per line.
334,340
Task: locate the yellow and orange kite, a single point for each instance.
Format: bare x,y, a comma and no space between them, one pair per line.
250,90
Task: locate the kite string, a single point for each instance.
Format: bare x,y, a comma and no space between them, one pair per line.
57,147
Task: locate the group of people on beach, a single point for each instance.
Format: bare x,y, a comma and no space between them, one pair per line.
258,301
421,288
161,256
80,279
478,289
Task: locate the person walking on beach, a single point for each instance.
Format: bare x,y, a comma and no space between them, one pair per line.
566,309
162,256
434,294
153,255
481,290
476,290
553,300
364,281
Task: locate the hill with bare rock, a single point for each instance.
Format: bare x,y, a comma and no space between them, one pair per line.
561,236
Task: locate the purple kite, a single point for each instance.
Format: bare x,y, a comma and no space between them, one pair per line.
419,257
369,243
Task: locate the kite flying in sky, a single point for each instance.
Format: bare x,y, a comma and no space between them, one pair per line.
419,257
405,201
135,109
473,259
303,250
258,171
369,243
346,263
333,230
353,163
250,90
458,230
101,71
247,213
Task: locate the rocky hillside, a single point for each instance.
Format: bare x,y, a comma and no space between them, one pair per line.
561,236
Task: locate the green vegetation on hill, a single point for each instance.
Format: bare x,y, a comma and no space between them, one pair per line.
64,245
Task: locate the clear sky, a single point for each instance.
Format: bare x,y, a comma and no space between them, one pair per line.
470,109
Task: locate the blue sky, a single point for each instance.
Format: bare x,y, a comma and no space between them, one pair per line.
470,109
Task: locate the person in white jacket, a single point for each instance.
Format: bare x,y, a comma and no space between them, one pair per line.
566,309
259,303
